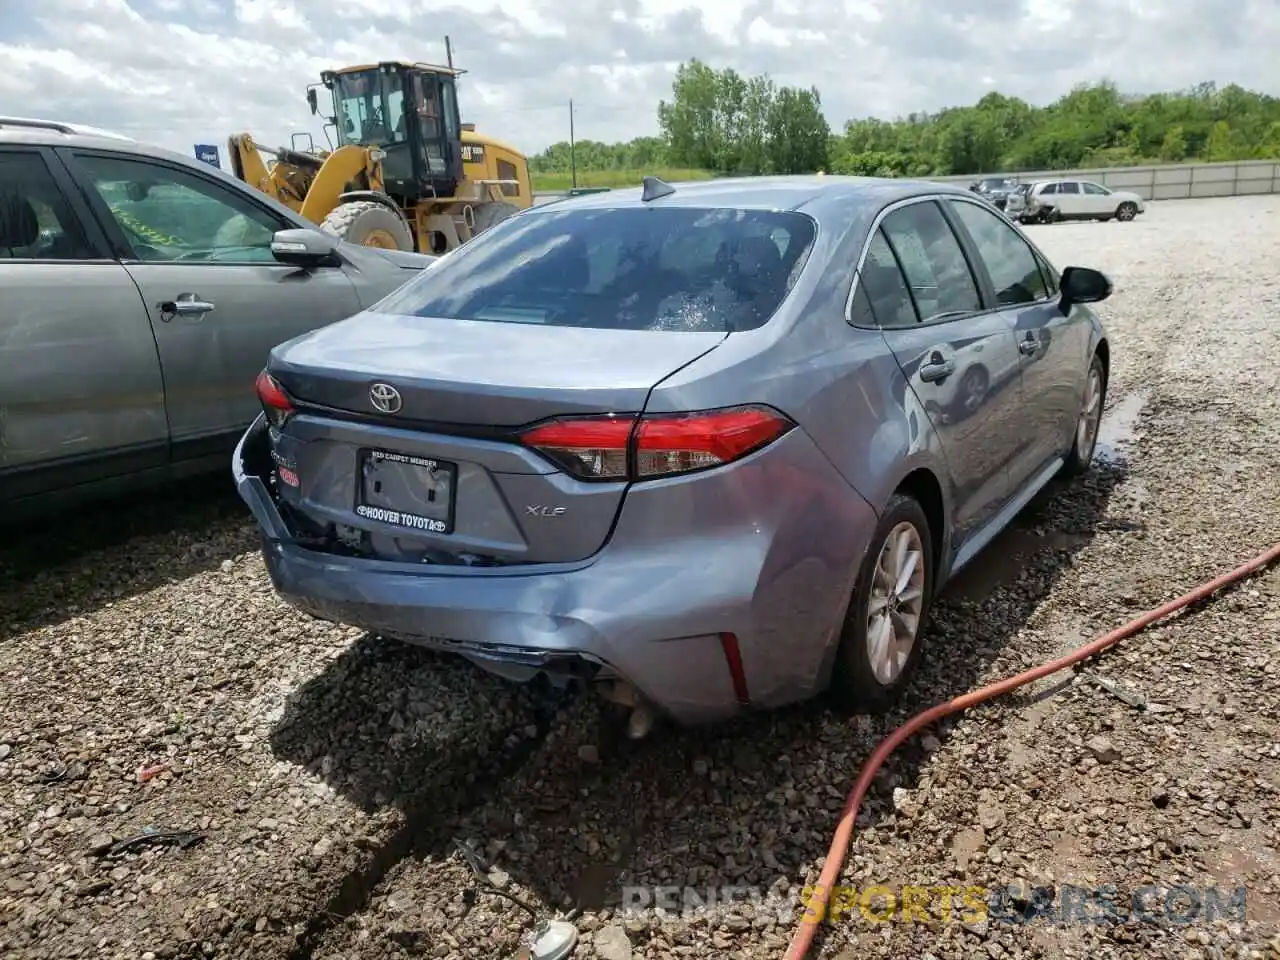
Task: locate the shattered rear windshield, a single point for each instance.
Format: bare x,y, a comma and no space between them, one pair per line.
664,269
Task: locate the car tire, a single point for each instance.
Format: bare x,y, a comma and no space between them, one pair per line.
863,679
1084,439
1126,211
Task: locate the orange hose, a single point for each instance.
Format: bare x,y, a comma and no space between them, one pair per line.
817,905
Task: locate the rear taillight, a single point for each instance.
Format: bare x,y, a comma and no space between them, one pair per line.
275,402
616,447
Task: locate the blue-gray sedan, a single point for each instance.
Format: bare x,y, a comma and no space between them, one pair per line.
714,446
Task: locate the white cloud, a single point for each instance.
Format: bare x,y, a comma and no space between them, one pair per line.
180,72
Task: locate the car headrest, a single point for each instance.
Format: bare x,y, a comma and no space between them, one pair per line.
19,226
758,257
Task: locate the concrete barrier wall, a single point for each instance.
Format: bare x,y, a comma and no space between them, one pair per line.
1174,181
1180,181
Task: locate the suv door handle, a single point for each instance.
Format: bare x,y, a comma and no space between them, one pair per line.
936,368
186,305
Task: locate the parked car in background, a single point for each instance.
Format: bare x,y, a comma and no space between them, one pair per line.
142,292
995,190
1018,201
1057,200
699,446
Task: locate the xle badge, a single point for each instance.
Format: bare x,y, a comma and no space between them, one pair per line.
548,512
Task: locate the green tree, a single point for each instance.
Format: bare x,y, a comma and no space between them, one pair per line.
724,122
689,122
1173,147
798,132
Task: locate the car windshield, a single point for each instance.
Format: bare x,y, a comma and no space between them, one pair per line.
672,269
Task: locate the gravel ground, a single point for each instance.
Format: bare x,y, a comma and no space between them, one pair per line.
152,682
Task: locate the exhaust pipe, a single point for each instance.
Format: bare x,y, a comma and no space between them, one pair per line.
641,719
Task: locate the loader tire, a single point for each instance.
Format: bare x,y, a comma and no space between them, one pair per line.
368,224
488,214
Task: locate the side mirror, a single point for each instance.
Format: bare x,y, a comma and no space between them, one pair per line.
312,101
305,248
1083,285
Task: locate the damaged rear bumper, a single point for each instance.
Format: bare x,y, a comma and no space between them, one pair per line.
634,613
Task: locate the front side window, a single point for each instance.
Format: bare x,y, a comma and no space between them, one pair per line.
36,222
170,215
933,262
672,269
1050,276
1049,188
1009,260
1095,191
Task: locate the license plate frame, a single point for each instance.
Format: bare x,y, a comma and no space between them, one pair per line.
376,467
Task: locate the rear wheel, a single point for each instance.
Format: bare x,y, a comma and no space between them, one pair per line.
1126,211
880,644
369,224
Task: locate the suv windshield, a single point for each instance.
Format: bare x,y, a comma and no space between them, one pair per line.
676,269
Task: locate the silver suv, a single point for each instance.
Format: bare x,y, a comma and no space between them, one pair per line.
143,291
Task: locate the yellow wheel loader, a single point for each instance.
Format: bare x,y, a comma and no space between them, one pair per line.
406,174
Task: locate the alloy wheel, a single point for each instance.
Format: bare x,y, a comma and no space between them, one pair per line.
1090,416
896,602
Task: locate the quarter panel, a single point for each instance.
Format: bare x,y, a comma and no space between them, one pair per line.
766,548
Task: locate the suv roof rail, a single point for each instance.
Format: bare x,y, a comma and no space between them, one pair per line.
37,124
69,129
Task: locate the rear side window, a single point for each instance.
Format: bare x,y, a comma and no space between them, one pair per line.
882,285
671,269
932,261
36,222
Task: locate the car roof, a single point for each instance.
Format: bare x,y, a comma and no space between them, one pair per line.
767,193
56,133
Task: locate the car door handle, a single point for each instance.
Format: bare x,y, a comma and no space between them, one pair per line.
937,368
1029,346
186,305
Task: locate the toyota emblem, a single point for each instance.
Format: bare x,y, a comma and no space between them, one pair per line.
385,398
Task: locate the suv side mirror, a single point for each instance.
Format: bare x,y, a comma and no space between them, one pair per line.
1083,285
305,248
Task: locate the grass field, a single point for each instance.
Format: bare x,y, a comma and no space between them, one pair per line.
614,178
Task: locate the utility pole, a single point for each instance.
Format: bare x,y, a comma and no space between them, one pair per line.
573,159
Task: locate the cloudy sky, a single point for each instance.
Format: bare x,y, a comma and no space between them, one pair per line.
180,72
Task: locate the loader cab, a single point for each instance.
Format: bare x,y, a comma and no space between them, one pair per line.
410,112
